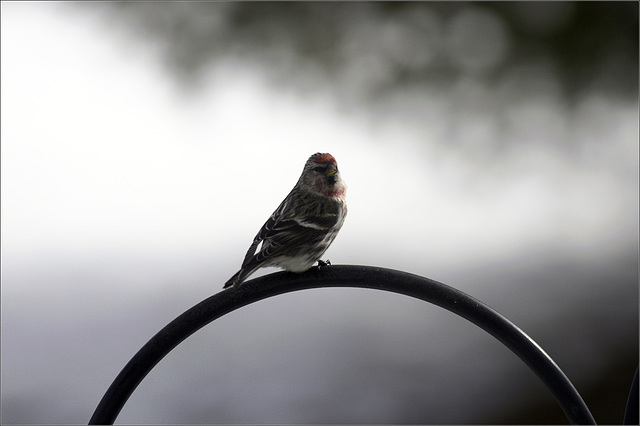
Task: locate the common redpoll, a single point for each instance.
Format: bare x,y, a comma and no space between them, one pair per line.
304,225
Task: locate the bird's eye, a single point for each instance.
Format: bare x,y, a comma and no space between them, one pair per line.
320,169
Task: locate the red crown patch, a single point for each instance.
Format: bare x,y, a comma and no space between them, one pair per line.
324,158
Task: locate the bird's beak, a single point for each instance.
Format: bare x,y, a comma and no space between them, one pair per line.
331,171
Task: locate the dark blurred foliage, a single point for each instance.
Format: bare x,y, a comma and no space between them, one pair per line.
379,46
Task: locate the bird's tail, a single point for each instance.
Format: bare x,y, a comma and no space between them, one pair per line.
239,277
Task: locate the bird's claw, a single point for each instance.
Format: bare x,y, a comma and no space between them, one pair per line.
323,263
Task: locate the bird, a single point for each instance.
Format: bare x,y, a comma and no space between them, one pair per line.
300,230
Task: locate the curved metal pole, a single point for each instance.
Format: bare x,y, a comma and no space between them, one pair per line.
631,412
341,276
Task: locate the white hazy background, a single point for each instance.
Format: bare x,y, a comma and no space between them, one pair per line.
126,199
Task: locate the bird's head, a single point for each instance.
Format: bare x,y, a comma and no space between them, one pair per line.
321,175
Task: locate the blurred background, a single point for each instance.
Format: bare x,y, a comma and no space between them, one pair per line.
489,146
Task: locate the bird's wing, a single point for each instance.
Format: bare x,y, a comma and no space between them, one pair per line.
290,226
287,235
268,225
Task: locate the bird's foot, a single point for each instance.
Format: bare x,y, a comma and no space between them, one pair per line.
323,263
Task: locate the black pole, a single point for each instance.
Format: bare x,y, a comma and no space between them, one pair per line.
341,276
631,412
